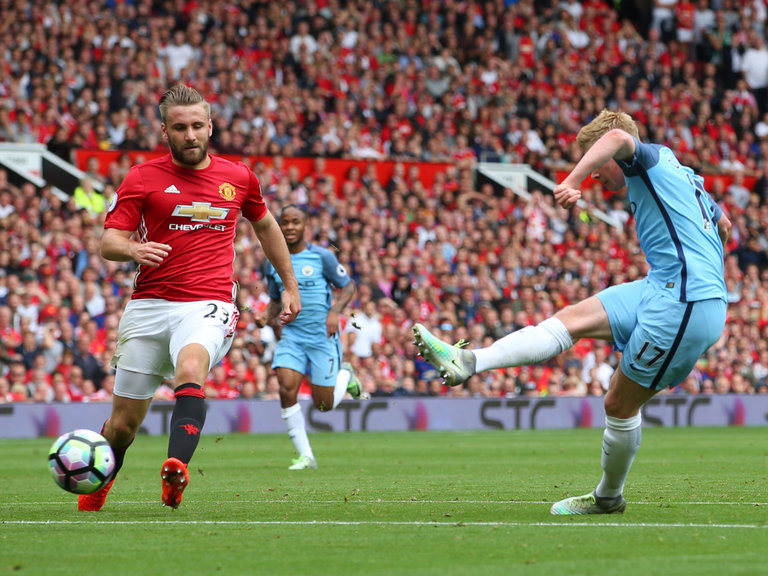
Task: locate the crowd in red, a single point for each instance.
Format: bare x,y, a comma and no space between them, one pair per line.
456,82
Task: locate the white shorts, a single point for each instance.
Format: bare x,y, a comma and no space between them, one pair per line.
152,332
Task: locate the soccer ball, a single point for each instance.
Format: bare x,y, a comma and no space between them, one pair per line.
81,461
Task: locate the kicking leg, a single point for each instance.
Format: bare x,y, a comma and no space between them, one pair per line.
529,345
534,344
120,430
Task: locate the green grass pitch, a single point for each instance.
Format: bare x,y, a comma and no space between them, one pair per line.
422,503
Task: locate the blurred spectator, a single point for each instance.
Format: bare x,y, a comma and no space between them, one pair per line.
6,206
88,198
272,389
760,187
723,385
6,396
753,67
60,144
707,386
87,362
17,379
738,192
61,391
364,329
597,368
179,54
28,349
664,18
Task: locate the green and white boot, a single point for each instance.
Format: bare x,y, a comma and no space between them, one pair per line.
589,504
454,364
303,463
355,387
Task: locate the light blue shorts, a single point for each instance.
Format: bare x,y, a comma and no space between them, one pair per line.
660,337
320,357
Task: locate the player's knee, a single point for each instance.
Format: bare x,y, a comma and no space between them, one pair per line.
288,395
190,372
191,364
615,408
122,429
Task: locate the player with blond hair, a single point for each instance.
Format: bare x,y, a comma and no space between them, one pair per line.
662,324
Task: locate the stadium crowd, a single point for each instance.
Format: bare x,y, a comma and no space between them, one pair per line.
459,82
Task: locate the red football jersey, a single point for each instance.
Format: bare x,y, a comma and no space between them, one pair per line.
196,213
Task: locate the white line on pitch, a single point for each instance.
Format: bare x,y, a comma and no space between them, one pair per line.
353,500
380,523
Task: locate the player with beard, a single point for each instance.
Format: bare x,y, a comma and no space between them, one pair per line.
310,345
175,217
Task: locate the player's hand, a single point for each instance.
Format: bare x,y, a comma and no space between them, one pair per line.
260,321
291,306
566,196
150,253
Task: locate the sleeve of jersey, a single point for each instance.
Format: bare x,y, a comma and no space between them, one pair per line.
125,211
334,270
254,207
646,155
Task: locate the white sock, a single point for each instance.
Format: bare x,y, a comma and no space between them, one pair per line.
340,389
526,346
621,441
294,421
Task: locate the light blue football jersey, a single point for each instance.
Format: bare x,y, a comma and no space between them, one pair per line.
318,272
676,223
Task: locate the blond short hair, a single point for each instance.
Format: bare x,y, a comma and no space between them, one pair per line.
181,95
606,121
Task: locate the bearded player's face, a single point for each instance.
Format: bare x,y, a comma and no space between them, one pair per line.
188,129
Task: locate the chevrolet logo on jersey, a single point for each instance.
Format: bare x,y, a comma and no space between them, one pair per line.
201,212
